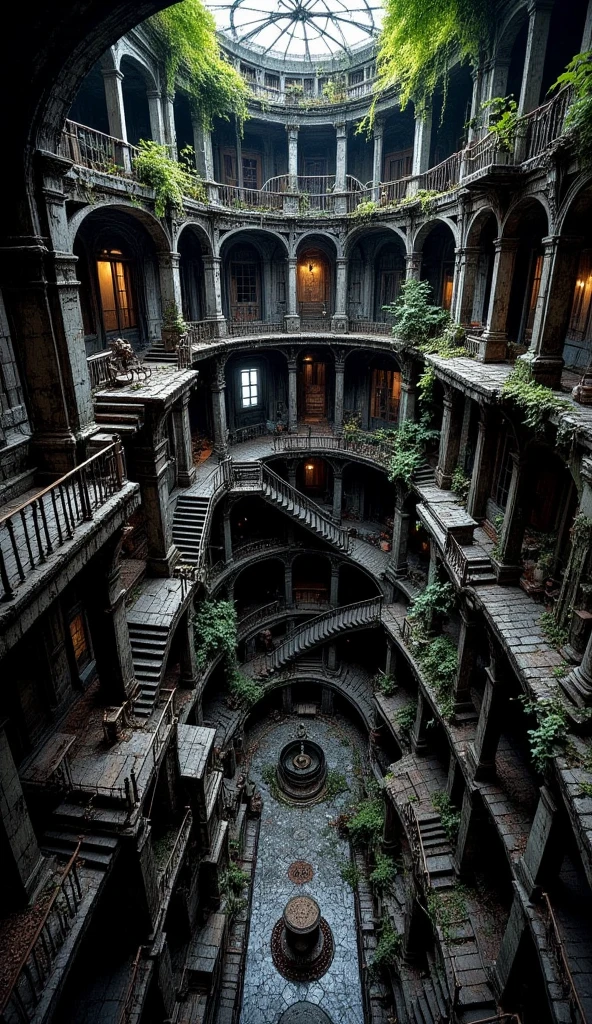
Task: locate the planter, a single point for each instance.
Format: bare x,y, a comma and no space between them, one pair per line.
170,339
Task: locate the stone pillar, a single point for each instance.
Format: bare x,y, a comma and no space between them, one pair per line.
401,517
378,140
156,121
239,156
553,307
367,305
213,293
202,144
510,944
170,132
292,393
483,465
481,752
41,294
578,684
21,858
332,657
187,657
326,700
227,528
339,387
413,261
539,17
289,596
218,389
292,319
292,130
170,280
465,287
512,531
334,595
339,319
152,461
340,167
408,390
337,493
541,860
466,662
183,450
112,79
449,439
587,33
287,699
422,143
419,743
495,335
109,629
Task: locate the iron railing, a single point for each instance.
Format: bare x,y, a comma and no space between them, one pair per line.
316,517
416,843
557,948
358,615
89,148
100,370
34,967
39,527
167,876
538,129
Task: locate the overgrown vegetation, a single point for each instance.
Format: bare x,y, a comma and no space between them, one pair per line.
409,446
171,181
535,401
336,784
500,116
387,949
244,690
447,908
449,815
436,599
364,823
438,658
549,736
405,717
461,484
215,631
556,634
578,74
384,683
415,319
186,33
425,388
232,885
350,874
382,877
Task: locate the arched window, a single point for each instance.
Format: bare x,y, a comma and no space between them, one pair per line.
115,291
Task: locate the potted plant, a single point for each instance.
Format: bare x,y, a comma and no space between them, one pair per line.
173,327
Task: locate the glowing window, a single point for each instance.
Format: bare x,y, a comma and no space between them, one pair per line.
579,321
115,291
249,388
79,641
386,394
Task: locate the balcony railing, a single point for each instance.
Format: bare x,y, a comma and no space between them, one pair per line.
93,149
416,844
39,527
32,970
100,370
167,877
443,176
557,948
542,126
251,198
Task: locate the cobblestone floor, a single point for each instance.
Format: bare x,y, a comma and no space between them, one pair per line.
289,834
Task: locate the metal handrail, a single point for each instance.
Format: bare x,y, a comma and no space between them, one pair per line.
373,605
558,948
174,857
338,534
416,842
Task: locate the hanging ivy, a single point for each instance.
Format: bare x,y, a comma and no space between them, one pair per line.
422,39
187,36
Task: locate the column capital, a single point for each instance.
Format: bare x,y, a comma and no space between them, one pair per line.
112,73
505,244
340,128
292,128
153,94
378,129
539,5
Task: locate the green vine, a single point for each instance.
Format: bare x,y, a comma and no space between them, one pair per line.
384,683
415,319
578,74
382,878
556,634
387,949
425,387
447,909
172,182
549,736
500,116
244,690
215,631
535,401
461,484
405,717
409,447
449,815
436,599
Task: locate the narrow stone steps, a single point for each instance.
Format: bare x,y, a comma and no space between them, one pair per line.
96,851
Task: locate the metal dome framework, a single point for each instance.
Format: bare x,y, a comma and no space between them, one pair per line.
299,29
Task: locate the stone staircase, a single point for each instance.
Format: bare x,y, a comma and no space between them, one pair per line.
118,417
188,525
427,999
149,645
158,354
325,627
281,494
96,851
437,850
424,476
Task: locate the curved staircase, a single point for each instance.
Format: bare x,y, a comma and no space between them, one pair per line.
326,626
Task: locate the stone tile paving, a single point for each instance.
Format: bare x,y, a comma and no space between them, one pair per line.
289,834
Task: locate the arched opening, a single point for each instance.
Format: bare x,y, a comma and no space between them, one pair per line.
315,478
90,105
385,392
244,283
192,276
376,270
528,224
254,277
482,236
259,584
314,395
311,581
313,284
450,115
256,392
437,265
135,102
183,121
576,235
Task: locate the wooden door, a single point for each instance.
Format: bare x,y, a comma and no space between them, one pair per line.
312,286
244,291
314,390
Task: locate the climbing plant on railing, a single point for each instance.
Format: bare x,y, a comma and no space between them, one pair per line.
449,815
387,948
498,115
214,630
415,318
578,74
172,182
549,736
436,599
535,401
409,447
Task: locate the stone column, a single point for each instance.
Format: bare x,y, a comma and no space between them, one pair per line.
202,144
367,288
512,531
337,493
152,461
467,651
292,130
545,847
413,261
495,335
465,288
21,859
183,452
339,319
170,280
170,132
218,389
408,390
292,392
483,465
378,140
156,121
340,156
419,743
339,388
292,319
481,752
109,629
112,79
449,439
578,684
213,293
289,596
539,17
401,517
553,307
587,33
422,143
334,595
497,84
227,528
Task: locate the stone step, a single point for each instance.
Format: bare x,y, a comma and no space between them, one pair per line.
96,851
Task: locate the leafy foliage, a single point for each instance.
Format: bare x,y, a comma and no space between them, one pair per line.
409,445
415,318
246,691
405,717
187,35
556,634
535,401
425,387
364,826
171,181
447,345
500,116
382,878
439,661
578,74
384,683
461,484
215,631
387,948
364,210
436,599
336,784
449,815
350,874
550,733
447,908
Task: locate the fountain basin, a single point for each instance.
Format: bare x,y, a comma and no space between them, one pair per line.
302,769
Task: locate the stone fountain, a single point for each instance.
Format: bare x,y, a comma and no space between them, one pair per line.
302,768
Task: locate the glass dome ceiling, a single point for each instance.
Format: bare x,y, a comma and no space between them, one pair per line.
299,29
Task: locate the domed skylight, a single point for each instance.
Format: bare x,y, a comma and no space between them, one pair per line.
300,29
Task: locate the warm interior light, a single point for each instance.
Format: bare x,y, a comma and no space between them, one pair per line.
580,284
310,467
311,267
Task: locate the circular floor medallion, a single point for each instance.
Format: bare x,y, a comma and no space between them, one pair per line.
304,1013
301,835
311,969
300,872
